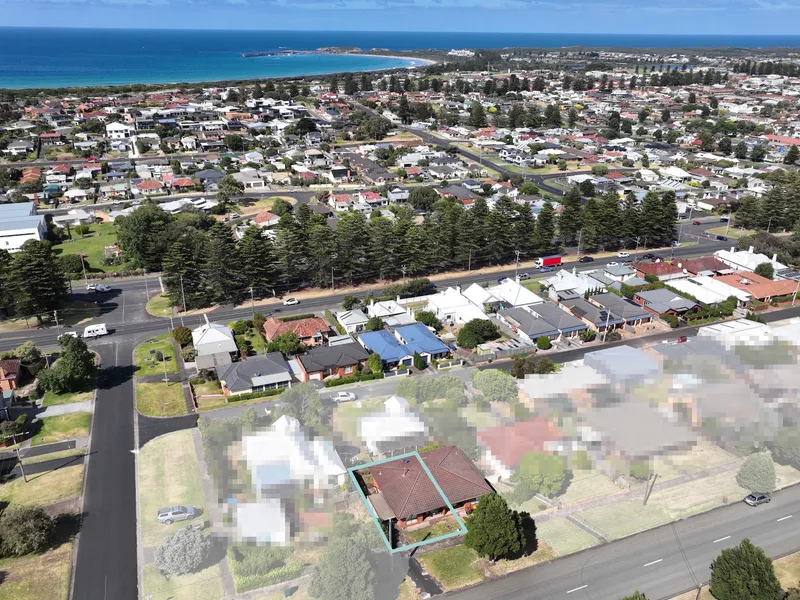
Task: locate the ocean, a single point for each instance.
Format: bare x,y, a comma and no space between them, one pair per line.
47,58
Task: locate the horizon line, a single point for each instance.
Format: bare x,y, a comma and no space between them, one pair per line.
531,33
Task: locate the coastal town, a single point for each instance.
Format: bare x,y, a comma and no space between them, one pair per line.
406,333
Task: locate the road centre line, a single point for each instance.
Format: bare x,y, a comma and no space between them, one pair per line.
654,562
784,518
578,588
727,537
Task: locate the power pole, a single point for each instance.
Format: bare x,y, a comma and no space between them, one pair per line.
403,268
469,261
19,458
516,266
580,235
146,288
253,302
333,283
58,327
183,297
605,331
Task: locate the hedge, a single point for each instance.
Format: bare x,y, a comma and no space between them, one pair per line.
279,575
353,379
253,395
296,317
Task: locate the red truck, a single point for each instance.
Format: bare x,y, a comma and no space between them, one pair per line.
547,261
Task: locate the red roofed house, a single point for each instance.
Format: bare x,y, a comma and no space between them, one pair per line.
504,446
312,331
266,219
9,370
617,175
340,201
51,139
782,140
182,183
704,265
403,490
149,187
664,271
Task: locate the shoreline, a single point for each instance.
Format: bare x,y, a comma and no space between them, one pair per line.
240,80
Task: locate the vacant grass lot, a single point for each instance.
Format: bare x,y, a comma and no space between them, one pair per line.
788,570
452,567
563,536
100,235
203,585
44,489
37,577
254,207
64,427
146,364
160,399
168,475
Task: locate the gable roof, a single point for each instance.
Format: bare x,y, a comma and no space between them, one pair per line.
408,490
418,338
211,338
509,443
304,328
257,370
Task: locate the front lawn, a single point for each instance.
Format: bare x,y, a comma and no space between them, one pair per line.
209,388
160,399
64,427
99,236
452,567
146,363
37,576
44,489
168,475
53,399
73,313
427,533
564,537
203,585
787,569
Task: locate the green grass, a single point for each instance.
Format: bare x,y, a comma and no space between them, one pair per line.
452,567
564,536
54,455
73,313
203,585
64,427
146,364
38,576
159,306
160,399
168,475
53,399
252,208
44,489
256,341
787,569
732,232
442,527
477,418
100,235
209,388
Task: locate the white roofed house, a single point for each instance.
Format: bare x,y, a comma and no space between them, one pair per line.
119,131
18,224
397,427
747,260
214,344
451,305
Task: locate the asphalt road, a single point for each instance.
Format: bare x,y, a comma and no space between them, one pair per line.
660,563
106,564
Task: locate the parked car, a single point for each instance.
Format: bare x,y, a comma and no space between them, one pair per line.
682,339
291,302
524,276
756,498
623,254
585,259
724,219
722,238
71,333
696,223
173,514
343,397
234,216
674,243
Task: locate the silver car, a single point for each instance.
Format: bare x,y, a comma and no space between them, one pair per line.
171,514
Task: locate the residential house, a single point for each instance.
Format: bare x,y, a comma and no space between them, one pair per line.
20,223
710,290
760,288
9,374
747,260
504,446
395,428
452,306
623,364
214,344
321,362
541,320
399,347
633,314
312,331
119,131
663,271
596,317
390,312
256,374
266,219
410,495
353,321
663,301
250,179
19,148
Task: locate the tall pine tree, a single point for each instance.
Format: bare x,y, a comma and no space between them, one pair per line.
35,280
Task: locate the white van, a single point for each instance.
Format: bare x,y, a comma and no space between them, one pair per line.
93,331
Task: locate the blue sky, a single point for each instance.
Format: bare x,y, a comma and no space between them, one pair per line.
554,16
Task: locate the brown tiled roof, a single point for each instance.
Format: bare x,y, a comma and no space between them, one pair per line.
509,443
9,368
657,269
704,263
408,490
304,328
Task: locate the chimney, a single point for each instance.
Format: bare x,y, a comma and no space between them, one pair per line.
680,265
774,258
405,471
750,249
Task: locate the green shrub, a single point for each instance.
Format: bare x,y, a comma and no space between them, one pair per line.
254,395
241,327
279,575
25,531
182,335
297,317
543,343
640,469
352,379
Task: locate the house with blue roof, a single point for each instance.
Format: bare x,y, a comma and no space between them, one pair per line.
399,347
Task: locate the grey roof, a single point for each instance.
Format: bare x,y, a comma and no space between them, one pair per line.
530,324
622,363
619,271
623,307
255,371
594,314
322,357
563,320
661,300
637,430
17,209
17,223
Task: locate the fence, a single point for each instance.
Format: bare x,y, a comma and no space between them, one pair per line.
389,374
448,364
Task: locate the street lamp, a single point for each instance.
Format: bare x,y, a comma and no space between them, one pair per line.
83,265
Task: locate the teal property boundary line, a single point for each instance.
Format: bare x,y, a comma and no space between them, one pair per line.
462,526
